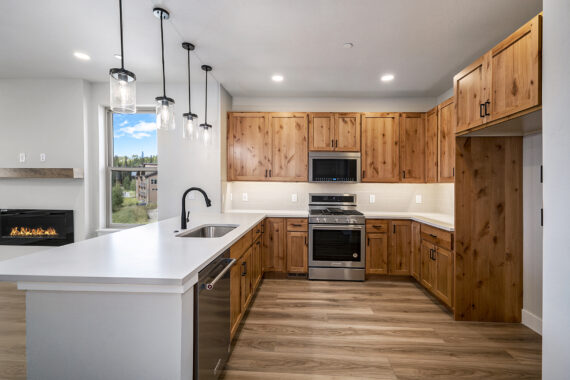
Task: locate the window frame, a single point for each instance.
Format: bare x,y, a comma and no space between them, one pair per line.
109,169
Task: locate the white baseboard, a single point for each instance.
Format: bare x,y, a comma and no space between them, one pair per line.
532,321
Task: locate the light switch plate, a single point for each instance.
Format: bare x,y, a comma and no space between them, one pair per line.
244,197
372,198
293,197
418,198
42,157
22,157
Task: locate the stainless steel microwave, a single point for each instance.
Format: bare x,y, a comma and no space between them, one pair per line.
334,167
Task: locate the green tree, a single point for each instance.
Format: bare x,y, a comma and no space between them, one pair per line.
117,197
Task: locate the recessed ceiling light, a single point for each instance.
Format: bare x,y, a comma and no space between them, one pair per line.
348,45
277,78
387,77
81,56
118,56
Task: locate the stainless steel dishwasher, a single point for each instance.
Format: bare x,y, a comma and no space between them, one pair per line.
212,318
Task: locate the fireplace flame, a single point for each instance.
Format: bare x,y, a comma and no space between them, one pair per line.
25,231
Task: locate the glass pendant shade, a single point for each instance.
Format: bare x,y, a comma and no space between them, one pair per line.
123,91
207,136
165,113
191,129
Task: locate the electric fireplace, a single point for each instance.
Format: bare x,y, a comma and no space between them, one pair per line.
36,227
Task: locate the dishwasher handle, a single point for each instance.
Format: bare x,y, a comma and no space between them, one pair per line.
210,285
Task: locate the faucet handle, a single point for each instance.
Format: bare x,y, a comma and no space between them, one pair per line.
187,216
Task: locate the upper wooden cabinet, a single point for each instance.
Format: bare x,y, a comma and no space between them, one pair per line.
412,147
503,82
380,147
431,145
446,138
334,132
267,147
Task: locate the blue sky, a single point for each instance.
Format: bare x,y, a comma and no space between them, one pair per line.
134,133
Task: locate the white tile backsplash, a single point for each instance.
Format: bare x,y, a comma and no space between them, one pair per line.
399,197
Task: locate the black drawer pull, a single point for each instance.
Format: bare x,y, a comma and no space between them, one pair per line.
482,110
433,236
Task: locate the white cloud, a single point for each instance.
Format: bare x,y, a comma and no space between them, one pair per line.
137,131
124,123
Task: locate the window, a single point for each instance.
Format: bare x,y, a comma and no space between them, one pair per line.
132,169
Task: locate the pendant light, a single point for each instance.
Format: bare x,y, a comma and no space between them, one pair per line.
164,104
207,133
122,83
189,131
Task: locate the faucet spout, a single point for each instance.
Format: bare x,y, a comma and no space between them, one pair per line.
184,218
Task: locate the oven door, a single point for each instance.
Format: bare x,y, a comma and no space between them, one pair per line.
336,245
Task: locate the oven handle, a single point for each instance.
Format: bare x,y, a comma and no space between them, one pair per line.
352,227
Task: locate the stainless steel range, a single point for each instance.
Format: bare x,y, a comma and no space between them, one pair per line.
336,238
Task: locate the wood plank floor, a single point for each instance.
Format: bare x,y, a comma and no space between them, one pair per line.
299,329
12,332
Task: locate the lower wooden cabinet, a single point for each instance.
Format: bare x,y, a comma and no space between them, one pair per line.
444,275
286,245
376,253
427,276
297,251
436,272
274,245
416,251
399,256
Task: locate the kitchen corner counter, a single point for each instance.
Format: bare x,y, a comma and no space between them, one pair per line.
442,221
273,213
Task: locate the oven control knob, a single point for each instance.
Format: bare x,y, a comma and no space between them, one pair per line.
355,255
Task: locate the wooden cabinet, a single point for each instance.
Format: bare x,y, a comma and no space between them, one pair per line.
399,255
380,147
247,283
416,251
412,147
503,82
274,245
427,277
432,145
443,274
334,132
297,251
289,148
376,253
235,296
267,147
249,146
256,266
446,139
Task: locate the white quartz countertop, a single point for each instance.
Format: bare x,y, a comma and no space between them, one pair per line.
149,255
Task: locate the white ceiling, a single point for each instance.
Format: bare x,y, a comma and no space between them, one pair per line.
422,42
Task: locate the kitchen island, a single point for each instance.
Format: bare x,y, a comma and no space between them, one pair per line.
119,306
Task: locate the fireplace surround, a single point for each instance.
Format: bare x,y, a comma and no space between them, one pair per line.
36,227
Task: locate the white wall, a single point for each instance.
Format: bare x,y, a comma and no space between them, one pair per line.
226,101
182,163
532,233
446,95
42,116
556,187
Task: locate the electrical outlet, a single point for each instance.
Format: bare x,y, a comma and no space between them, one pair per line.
42,157
418,198
372,198
293,197
22,157
244,197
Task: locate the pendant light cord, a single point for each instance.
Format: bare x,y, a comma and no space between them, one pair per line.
206,110
121,26
189,91
162,46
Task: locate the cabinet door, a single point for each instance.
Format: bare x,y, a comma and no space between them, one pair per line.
321,132
235,296
289,152
515,71
246,278
443,286
470,92
412,147
274,245
257,265
347,132
249,147
427,265
399,256
431,145
446,137
297,251
380,147
376,253
416,251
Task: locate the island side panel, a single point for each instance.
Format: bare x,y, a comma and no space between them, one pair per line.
105,335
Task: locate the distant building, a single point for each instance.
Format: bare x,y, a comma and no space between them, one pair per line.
147,186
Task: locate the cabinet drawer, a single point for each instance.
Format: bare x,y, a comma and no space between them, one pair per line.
241,245
376,225
436,236
257,231
297,224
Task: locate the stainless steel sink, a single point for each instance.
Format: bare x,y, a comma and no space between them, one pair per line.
209,231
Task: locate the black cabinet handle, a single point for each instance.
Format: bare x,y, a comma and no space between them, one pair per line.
486,104
394,226
363,173
257,231
433,236
368,242
482,110
336,143
270,172
332,143
403,174
266,173
297,225
258,242
244,269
